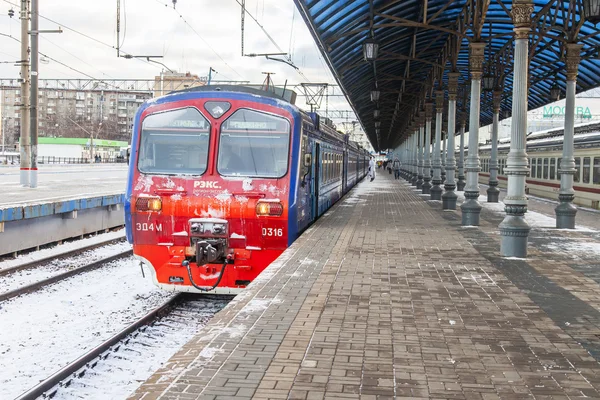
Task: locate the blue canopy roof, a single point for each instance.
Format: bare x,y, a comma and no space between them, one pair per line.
412,40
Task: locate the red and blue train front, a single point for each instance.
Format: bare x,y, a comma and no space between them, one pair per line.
209,189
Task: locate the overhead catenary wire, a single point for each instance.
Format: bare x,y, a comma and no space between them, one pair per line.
202,38
82,34
61,63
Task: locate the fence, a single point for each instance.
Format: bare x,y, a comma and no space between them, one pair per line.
15,160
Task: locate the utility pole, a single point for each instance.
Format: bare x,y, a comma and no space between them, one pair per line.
35,33
25,148
34,93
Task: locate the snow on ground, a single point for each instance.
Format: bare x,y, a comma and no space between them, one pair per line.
43,331
535,219
575,248
121,373
61,248
55,267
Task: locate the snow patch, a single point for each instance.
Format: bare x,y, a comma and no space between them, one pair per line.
144,183
247,184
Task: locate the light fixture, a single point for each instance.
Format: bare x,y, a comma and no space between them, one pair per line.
591,11
376,113
377,124
488,82
370,49
375,93
555,92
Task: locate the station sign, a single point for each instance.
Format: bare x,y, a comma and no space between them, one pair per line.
559,111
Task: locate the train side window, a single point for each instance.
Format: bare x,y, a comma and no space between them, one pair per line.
596,172
559,160
533,167
328,167
586,169
539,168
577,169
545,169
553,168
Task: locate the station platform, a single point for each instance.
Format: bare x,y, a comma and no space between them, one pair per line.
62,182
387,296
70,200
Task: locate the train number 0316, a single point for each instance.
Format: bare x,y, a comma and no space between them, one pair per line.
272,231
145,227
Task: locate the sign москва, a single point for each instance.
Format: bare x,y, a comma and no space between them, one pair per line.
558,111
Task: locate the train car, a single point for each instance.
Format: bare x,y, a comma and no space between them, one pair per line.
223,179
544,150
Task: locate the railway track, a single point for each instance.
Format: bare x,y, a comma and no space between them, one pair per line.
68,253
58,277
77,369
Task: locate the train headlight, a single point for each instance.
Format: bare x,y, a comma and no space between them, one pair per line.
264,208
148,204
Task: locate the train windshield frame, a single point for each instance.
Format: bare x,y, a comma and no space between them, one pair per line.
174,142
254,144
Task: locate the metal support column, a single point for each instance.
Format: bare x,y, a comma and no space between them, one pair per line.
420,134
427,147
460,185
471,207
24,141
34,93
436,190
566,211
493,192
444,135
514,229
449,197
415,156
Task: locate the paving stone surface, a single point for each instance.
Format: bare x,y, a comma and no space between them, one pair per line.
388,297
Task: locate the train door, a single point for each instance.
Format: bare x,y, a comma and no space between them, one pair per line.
345,171
316,179
305,213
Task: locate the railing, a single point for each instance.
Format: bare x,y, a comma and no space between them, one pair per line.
15,160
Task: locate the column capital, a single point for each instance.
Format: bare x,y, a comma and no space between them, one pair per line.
496,100
439,101
428,111
453,84
520,13
476,59
572,60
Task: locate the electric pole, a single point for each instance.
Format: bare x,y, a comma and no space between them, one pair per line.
34,93
33,111
25,147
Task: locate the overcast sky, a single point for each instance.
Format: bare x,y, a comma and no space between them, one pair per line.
153,27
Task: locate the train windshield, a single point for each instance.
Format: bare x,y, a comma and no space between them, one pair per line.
174,142
254,144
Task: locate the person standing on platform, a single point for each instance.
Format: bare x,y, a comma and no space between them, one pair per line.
396,168
372,168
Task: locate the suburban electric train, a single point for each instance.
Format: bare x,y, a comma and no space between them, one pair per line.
223,179
544,150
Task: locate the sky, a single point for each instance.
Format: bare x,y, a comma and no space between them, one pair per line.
210,38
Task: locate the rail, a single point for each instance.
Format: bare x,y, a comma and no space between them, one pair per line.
71,370
67,253
45,282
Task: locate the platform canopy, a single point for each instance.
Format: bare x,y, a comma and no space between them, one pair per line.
420,41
